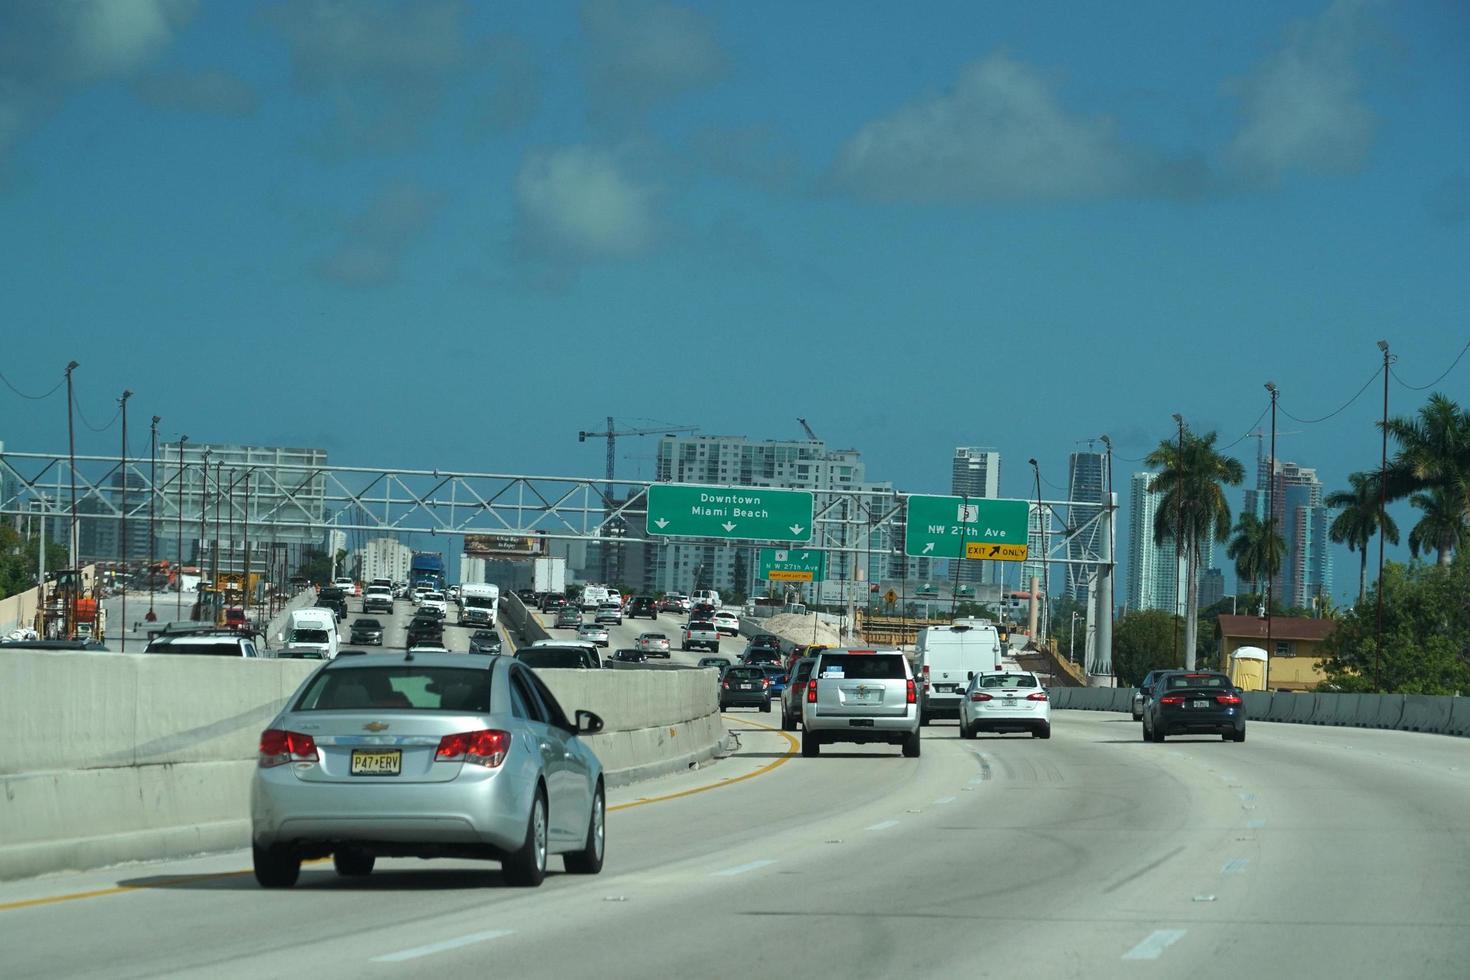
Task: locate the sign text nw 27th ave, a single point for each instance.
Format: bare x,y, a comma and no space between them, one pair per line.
734,513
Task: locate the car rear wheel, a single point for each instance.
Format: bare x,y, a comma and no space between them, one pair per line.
1138,716
1241,736
276,867
1043,732
353,862
527,866
965,730
787,725
766,707
811,745
588,861
1156,735
911,746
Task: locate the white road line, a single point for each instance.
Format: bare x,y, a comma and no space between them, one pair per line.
1153,947
1235,866
884,825
448,944
740,869
943,800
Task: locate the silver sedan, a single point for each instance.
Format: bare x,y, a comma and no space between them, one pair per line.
427,755
593,633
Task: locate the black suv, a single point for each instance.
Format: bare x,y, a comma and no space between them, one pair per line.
791,698
642,605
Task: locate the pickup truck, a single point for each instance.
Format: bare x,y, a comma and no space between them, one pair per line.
700,633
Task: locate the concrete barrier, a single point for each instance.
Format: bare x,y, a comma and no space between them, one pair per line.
525,628
1422,713
1302,707
1389,709
1257,705
1281,706
1337,709
117,757
1459,723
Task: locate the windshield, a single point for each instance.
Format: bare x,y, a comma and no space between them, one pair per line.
479,602
553,658
308,636
402,686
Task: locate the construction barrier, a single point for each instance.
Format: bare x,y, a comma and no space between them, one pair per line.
1422,713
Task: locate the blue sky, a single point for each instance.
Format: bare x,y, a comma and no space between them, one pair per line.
451,234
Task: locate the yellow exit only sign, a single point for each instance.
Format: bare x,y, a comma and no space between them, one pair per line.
995,552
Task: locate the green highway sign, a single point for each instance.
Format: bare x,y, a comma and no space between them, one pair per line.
974,527
736,513
793,565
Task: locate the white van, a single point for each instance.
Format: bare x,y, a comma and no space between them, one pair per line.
593,596
707,595
311,634
479,604
948,656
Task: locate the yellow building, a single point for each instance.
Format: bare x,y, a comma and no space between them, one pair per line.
1296,652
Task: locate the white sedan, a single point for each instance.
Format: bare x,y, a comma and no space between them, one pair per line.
1005,701
434,600
593,633
727,622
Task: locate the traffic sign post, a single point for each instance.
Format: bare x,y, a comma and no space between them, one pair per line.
959,527
793,565
730,513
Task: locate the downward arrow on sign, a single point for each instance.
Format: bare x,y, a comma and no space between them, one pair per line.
796,529
662,523
728,527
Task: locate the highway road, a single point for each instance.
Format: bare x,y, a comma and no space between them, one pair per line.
1304,852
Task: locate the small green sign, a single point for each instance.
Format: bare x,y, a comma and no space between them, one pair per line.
943,527
793,565
734,513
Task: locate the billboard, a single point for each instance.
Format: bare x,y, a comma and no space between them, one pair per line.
501,546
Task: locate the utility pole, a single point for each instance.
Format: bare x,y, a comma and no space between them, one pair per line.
245,533
1179,543
122,537
179,557
69,627
203,530
1045,565
152,513
214,558
1382,519
1270,531
1103,639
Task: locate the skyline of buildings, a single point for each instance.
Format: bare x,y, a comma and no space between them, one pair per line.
1294,494
974,472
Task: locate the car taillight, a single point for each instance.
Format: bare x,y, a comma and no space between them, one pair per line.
913,692
979,696
1172,699
811,691
765,682
725,685
1228,698
278,747
486,747
1038,696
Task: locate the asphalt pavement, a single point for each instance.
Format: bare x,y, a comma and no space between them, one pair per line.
1303,852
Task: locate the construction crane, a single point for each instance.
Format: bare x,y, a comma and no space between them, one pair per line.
611,435
809,433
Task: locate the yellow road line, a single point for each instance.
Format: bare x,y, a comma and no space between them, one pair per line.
193,879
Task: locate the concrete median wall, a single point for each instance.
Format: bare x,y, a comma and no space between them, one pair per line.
1403,712
117,757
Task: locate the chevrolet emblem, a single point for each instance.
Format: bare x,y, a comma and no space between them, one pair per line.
375,726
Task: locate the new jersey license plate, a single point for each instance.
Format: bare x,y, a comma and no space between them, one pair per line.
376,762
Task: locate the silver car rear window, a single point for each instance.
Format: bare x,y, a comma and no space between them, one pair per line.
866,667
1008,680
404,687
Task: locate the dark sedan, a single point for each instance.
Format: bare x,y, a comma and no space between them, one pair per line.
628,655
367,631
745,687
485,641
1193,703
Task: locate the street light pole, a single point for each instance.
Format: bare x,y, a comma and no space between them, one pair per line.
122,536
1179,540
1072,639
152,512
69,627
1045,617
179,556
1382,519
1103,638
1270,531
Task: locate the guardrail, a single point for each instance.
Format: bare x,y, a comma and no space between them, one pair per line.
1435,714
527,628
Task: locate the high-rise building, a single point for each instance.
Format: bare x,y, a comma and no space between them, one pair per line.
1153,569
1302,521
974,472
801,465
386,558
1085,488
1211,587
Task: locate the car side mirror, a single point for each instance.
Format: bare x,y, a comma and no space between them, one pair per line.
970,676
588,723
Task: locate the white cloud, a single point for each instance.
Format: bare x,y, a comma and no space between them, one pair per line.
1301,107
578,203
49,49
374,242
999,134
640,54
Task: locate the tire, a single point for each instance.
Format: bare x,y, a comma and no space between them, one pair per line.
1241,736
1157,736
912,745
1138,717
276,867
787,725
811,745
1042,732
353,862
588,861
526,868
766,708
965,730
1146,736
923,719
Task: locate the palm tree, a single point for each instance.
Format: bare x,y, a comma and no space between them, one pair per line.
1433,453
1257,550
1191,484
1358,522
1442,529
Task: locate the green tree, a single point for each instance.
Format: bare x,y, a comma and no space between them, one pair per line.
1433,453
1257,550
1426,634
18,559
1145,641
1191,484
1356,525
316,566
1442,529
